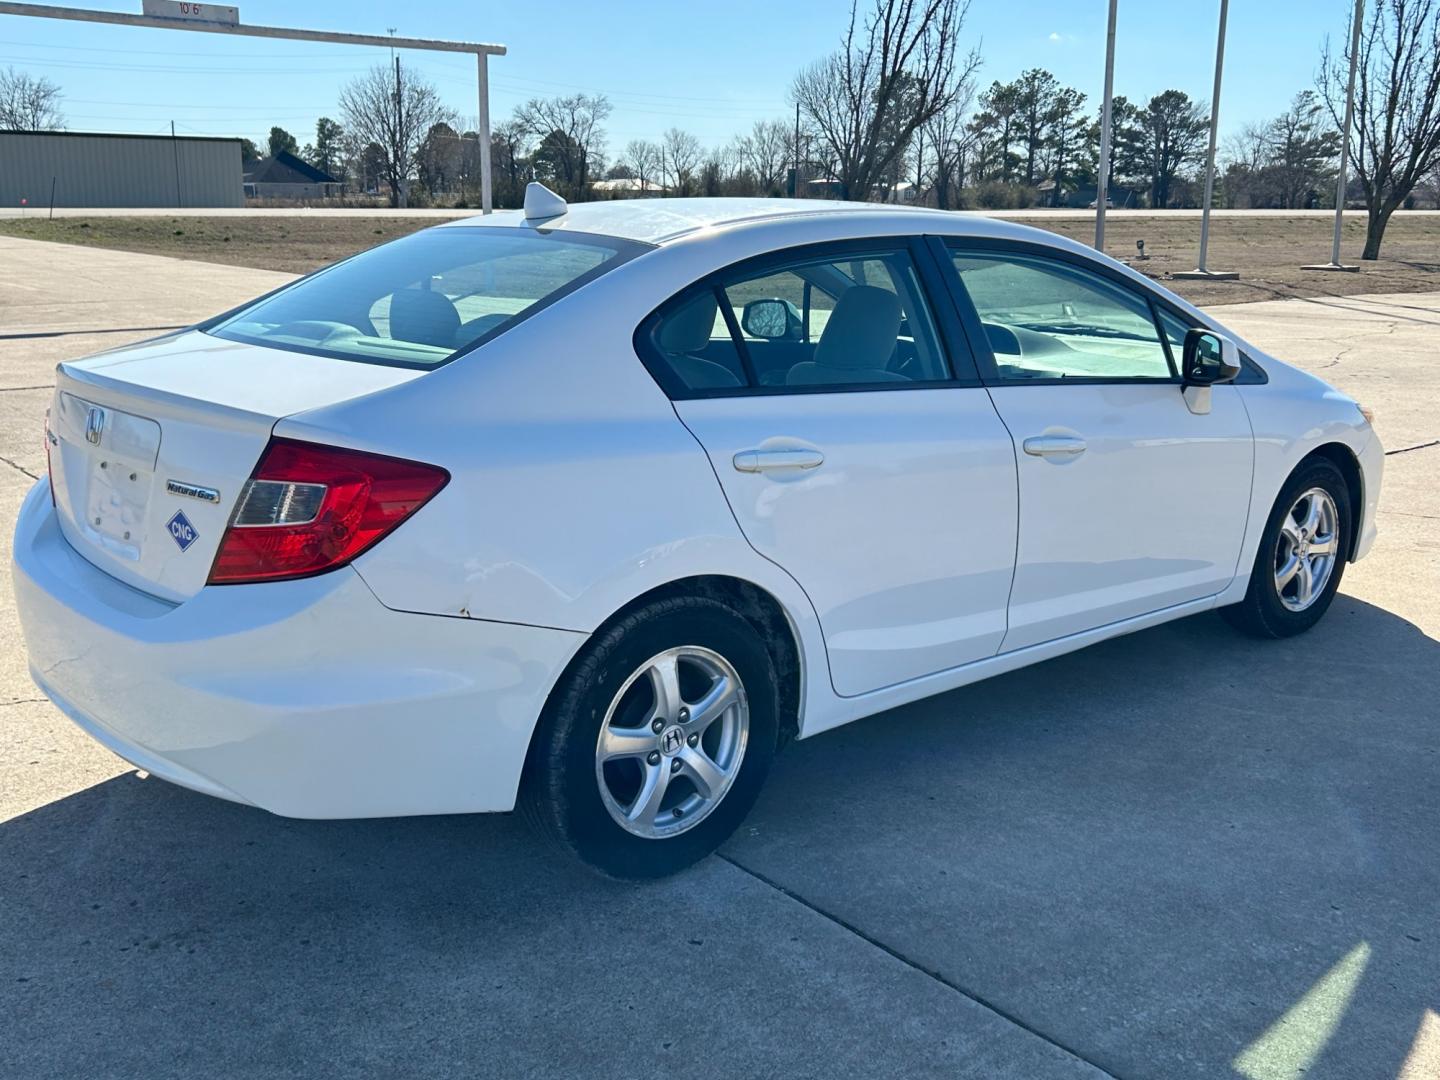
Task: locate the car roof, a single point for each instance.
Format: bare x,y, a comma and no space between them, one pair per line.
659,221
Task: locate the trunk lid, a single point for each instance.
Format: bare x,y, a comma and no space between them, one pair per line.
151,445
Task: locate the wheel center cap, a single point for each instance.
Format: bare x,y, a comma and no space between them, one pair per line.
1304,547
672,740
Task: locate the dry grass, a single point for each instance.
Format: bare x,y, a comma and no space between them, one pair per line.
293,244
1268,251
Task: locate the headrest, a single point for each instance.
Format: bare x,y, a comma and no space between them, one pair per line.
862,330
424,317
687,329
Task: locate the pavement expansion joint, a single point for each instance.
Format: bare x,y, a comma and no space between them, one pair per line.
928,972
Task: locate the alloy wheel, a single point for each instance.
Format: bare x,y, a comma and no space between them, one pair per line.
672,742
1309,545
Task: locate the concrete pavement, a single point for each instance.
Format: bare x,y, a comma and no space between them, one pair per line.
1177,854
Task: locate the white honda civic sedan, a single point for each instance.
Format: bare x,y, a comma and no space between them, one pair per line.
590,510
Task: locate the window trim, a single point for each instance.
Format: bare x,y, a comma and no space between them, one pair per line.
953,342
1251,373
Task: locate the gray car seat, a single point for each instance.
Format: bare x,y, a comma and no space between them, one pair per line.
857,342
684,334
424,317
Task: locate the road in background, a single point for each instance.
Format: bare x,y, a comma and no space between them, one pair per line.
1173,854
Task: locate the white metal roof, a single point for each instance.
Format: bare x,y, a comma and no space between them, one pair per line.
655,221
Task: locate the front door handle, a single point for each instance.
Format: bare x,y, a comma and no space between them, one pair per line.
755,461
1067,446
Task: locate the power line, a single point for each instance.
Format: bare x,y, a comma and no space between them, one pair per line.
171,105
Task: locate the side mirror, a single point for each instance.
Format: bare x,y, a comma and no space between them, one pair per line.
773,320
1208,358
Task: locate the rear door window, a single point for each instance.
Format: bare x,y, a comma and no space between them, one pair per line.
837,322
419,301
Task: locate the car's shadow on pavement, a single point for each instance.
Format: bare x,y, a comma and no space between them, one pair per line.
1180,853
1151,852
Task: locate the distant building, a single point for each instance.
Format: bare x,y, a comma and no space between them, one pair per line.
85,169
286,176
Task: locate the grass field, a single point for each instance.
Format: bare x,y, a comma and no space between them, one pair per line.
1267,251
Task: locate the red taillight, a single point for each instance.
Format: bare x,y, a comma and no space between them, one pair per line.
309,508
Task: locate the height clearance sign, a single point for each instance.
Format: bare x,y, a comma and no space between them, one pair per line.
211,13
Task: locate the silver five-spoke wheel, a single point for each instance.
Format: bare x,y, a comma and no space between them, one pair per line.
672,742
1309,545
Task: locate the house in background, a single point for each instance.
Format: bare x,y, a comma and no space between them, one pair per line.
286,176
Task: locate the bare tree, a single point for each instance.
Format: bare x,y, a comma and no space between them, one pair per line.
1396,135
643,158
507,152
570,137
28,103
949,140
766,153
681,158
896,69
394,111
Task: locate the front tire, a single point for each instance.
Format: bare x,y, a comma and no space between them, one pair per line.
656,742
1301,557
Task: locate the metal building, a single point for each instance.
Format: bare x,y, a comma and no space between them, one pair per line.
85,170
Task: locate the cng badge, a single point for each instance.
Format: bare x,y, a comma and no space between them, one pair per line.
181,529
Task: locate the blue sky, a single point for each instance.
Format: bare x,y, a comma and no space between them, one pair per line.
712,70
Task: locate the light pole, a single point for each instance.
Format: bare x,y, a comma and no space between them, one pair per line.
1102,186
1357,20
1201,270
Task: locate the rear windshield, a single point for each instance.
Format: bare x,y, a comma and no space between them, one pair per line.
421,300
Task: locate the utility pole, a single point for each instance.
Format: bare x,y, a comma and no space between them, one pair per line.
1102,186
1342,182
795,185
919,163
1201,270
396,149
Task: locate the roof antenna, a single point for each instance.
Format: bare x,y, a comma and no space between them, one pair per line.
541,202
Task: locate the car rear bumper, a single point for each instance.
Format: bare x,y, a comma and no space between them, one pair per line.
306,698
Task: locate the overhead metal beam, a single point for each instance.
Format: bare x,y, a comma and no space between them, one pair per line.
155,22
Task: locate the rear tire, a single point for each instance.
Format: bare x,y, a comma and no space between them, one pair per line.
657,740
1301,556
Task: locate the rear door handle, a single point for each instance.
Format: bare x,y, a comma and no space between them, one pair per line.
755,461
1054,446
